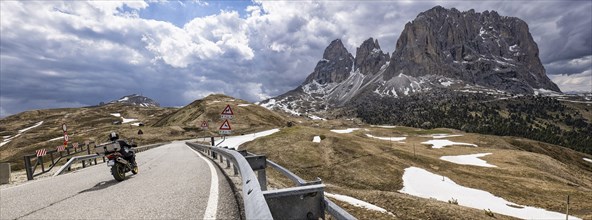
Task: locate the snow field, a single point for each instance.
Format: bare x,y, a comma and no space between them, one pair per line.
471,159
243,105
443,143
235,141
587,159
424,184
439,136
356,202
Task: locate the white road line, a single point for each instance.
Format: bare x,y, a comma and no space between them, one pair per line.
213,198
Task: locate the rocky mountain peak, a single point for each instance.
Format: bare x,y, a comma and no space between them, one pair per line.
336,65
138,100
485,49
335,51
369,57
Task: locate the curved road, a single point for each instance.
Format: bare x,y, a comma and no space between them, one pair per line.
174,183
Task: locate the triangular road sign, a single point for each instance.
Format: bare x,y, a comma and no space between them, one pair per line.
204,124
227,111
225,126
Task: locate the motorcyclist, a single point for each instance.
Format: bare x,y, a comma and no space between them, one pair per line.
126,149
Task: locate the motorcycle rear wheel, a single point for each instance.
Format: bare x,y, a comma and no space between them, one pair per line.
118,172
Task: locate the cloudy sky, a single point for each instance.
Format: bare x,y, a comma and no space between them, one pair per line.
75,53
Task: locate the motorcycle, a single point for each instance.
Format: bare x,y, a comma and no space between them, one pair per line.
119,165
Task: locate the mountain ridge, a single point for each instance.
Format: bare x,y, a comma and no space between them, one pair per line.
440,48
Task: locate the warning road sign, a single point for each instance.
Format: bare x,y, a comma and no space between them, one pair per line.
61,148
227,113
225,126
204,125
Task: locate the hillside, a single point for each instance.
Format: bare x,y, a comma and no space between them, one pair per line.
26,132
528,173
247,117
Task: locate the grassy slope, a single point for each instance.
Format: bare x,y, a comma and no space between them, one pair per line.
246,118
371,169
95,123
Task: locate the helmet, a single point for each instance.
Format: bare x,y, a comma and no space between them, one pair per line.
113,136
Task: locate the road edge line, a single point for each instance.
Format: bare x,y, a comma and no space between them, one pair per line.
212,206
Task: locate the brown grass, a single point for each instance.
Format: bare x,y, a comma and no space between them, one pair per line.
359,166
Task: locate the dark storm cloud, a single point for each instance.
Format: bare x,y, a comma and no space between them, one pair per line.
81,53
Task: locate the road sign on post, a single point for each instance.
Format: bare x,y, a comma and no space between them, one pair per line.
204,125
227,113
64,128
225,128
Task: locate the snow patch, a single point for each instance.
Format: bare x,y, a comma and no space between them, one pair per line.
446,83
316,139
438,136
398,139
243,105
345,131
356,202
55,139
424,184
235,141
587,159
443,143
384,126
471,159
125,120
7,139
314,117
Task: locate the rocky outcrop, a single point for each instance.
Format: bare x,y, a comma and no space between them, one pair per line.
369,57
440,50
479,48
335,66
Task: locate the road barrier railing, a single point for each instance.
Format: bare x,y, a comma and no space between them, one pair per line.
73,160
54,157
304,201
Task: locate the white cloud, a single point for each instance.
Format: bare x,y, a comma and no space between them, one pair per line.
581,82
85,52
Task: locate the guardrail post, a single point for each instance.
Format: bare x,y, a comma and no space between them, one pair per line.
259,163
235,169
227,163
40,159
28,168
51,157
301,202
212,140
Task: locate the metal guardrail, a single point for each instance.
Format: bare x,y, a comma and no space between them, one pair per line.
333,209
255,205
305,201
31,167
94,156
73,160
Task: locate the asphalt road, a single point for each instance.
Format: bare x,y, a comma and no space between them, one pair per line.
173,183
